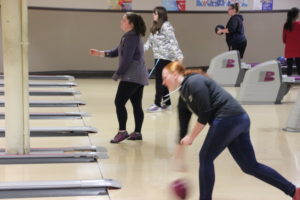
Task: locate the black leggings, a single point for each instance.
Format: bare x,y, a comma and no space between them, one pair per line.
160,90
134,92
241,47
290,63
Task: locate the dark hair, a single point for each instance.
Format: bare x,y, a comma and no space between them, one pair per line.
138,23
236,7
162,17
292,15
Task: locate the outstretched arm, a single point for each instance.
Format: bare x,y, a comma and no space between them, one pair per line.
109,53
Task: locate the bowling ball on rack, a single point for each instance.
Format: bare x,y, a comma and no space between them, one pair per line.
282,60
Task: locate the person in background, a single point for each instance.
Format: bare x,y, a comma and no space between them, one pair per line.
165,49
212,105
235,33
132,72
291,39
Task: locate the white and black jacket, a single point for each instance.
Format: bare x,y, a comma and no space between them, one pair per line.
164,44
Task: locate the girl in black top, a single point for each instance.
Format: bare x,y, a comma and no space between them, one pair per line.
235,37
214,106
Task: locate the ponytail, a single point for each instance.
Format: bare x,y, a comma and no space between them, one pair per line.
138,23
195,71
177,67
236,7
292,15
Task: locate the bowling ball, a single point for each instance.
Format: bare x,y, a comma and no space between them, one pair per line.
219,27
282,60
179,187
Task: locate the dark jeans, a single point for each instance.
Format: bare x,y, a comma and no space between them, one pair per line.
160,90
241,47
290,63
134,92
233,133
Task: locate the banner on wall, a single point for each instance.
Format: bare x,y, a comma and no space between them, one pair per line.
174,5
120,4
220,3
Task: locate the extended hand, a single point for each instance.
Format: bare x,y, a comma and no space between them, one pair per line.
95,52
187,140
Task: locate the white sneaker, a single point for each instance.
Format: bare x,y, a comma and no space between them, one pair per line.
154,108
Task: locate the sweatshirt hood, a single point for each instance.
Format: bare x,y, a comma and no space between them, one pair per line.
239,16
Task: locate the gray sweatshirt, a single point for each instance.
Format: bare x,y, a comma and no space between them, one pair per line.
132,66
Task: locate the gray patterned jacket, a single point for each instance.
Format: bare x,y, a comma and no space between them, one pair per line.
164,44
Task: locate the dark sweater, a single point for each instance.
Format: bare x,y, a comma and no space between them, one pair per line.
235,27
131,59
204,97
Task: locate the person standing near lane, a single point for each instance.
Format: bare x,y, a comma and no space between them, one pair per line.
235,33
165,49
291,39
132,73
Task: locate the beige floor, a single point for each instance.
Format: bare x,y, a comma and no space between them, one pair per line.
145,169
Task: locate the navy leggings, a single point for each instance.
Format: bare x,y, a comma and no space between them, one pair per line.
233,132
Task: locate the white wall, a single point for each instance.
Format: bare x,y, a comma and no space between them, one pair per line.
286,4
60,40
148,4
84,4
145,4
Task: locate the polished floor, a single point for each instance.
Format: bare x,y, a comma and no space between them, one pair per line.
146,168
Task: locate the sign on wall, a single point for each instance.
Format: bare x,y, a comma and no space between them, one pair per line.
267,4
263,4
220,3
174,5
120,4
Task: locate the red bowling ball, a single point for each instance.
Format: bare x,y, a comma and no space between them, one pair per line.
180,188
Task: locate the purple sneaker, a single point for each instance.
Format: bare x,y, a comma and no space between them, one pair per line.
166,107
154,108
120,137
135,136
